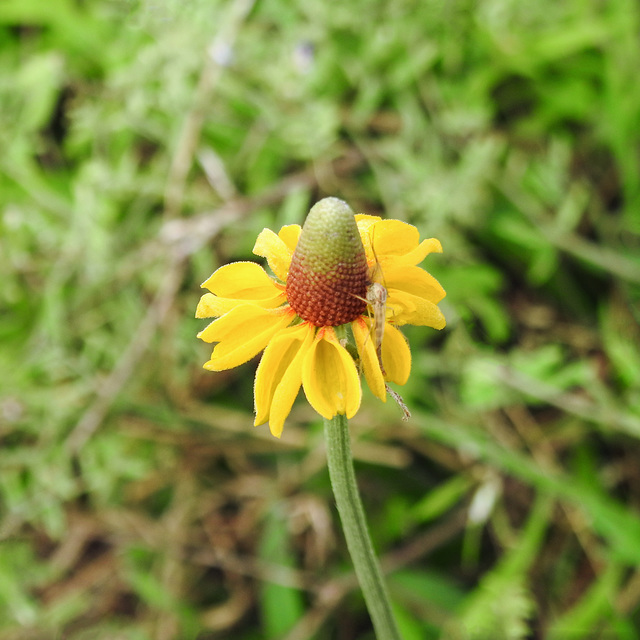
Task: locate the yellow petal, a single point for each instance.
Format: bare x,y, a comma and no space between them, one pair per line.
396,355
290,234
414,280
330,378
276,249
215,306
364,219
279,375
398,304
417,255
389,242
394,237
242,280
211,306
410,309
369,358
242,333
365,224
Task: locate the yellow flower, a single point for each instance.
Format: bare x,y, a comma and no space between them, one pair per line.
313,317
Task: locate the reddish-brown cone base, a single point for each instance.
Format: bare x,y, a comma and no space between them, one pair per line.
327,299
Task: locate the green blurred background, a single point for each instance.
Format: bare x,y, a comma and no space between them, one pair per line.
144,143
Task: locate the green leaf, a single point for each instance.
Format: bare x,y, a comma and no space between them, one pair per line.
441,498
281,606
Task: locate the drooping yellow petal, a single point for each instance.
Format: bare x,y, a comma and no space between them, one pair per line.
365,224
290,234
242,333
369,358
394,238
330,378
279,375
243,281
396,355
391,243
363,220
278,249
399,303
212,306
414,280
417,255
410,309
278,355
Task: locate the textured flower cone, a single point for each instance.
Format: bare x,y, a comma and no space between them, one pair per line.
328,278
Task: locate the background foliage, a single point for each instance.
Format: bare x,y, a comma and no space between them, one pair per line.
145,143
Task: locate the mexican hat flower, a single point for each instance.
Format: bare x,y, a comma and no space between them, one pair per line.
316,318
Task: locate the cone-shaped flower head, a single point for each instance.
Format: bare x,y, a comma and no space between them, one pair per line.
328,276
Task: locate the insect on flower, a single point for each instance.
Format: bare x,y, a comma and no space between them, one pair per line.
377,301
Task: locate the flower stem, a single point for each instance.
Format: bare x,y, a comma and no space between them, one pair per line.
345,490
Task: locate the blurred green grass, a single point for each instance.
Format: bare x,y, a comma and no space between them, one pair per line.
146,143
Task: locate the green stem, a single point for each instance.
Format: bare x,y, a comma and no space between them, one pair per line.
345,490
